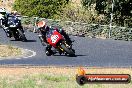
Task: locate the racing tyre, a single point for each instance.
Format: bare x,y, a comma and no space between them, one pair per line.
16,36
68,51
22,36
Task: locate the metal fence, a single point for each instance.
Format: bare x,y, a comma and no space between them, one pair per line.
84,29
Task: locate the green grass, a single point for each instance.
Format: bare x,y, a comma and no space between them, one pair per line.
41,81
50,81
9,50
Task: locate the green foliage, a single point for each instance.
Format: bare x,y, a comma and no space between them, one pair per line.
52,78
122,9
124,6
122,33
26,21
100,4
76,13
40,8
87,3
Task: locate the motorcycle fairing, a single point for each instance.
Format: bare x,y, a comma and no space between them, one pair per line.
13,22
54,37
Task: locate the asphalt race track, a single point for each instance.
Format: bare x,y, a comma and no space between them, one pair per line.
90,52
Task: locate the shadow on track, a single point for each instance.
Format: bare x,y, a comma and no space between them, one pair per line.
15,40
31,41
70,56
25,41
80,55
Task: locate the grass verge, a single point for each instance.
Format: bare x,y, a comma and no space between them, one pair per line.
8,50
54,77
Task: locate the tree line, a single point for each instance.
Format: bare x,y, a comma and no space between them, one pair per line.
54,8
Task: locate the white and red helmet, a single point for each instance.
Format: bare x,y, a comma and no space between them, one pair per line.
41,24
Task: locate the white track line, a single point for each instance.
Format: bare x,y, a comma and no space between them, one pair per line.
33,53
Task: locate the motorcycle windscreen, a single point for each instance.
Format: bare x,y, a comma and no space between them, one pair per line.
12,21
54,38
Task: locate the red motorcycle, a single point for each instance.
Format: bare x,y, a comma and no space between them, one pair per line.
55,39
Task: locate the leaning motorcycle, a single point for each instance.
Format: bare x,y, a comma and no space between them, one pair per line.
14,29
1,21
55,39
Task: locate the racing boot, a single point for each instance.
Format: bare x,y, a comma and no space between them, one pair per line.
48,50
42,40
68,40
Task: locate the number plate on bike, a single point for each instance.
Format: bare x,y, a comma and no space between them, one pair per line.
54,38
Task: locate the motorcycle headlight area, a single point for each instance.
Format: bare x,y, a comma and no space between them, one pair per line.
16,23
9,22
12,25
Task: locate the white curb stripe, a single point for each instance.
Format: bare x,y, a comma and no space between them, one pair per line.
33,53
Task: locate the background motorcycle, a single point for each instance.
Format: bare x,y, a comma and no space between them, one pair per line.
2,17
1,21
56,40
14,29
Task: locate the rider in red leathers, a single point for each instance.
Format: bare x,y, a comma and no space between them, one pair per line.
43,29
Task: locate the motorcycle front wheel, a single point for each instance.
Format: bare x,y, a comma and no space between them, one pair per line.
22,36
67,50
